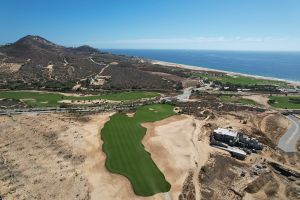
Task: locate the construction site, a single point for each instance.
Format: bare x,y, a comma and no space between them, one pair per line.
238,144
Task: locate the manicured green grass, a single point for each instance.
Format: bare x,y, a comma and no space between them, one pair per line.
33,98
242,80
236,99
283,102
52,99
122,136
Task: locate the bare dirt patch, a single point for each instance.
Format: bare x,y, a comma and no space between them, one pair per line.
56,156
176,149
274,126
43,156
260,99
37,162
10,67
130,114
87,102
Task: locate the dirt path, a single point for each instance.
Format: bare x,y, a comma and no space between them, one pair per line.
102,70
65,61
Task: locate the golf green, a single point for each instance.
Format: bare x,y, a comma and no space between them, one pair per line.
122,136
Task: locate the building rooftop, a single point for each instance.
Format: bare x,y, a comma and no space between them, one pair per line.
224,131
236,150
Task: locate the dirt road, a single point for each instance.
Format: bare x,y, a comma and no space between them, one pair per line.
184,97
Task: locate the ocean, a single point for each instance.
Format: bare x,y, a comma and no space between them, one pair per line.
281,65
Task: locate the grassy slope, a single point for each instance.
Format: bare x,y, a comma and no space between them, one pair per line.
231,99
51,99
242,80
283,102
126,155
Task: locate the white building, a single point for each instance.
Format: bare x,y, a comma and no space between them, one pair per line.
222,134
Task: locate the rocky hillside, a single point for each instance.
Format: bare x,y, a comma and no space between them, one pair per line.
34,62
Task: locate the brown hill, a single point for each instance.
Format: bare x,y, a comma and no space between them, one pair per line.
33,62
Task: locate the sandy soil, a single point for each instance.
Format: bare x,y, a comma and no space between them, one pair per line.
274,126
50,67
177,149
260,99
130,114
43,156
87,102
76,87
39,158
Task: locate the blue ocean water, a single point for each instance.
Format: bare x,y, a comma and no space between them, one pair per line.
282,65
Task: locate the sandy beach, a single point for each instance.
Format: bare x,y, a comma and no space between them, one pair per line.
199,68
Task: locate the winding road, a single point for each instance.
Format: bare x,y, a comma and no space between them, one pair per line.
289,140
91,59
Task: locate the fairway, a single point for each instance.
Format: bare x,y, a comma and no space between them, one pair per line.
285,102
122,136
50,99
236,99
241,80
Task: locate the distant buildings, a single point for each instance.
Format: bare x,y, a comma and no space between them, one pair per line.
238,144
285,90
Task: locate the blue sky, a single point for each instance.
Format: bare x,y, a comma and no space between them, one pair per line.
156,24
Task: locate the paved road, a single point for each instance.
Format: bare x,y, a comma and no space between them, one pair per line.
168,196
289,140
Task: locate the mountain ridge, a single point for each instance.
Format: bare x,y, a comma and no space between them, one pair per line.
34,62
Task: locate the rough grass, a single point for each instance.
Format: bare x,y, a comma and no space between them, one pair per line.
122,136
52,99
284,103
236,99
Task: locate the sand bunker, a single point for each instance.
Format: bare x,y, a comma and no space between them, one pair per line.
68,156
176,150
260,99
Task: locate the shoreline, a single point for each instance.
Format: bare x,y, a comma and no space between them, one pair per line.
199,68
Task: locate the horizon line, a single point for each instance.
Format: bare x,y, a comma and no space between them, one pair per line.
185,49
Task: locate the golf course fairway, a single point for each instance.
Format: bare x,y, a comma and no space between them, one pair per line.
122,137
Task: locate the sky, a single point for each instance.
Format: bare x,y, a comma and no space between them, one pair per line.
156,24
